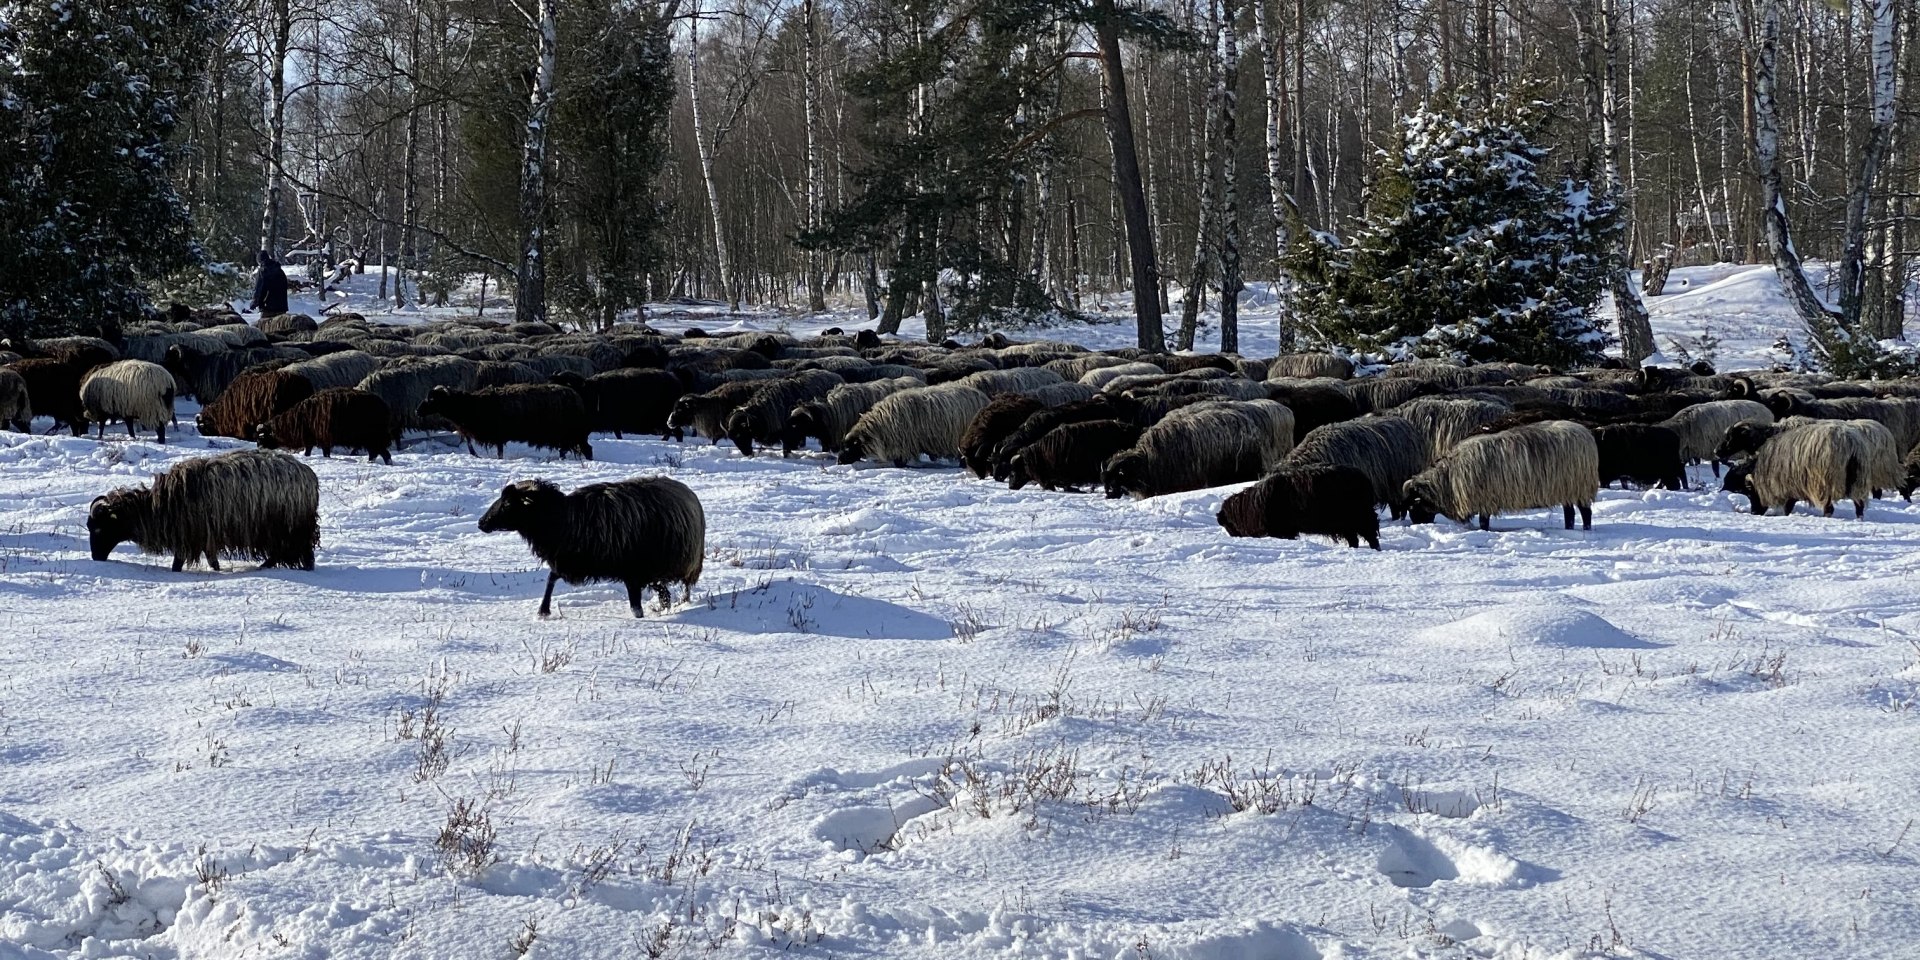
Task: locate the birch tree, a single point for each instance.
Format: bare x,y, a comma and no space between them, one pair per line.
530,298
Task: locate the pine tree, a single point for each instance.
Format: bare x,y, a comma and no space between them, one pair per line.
90,94
1466,250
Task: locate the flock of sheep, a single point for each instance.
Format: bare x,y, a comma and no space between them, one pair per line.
1421,438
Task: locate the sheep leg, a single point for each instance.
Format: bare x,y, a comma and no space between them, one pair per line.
470,450
213,560
384,455
1373,540
160,432
546,600
1859,509
1787,511
1566,510
1827,510
1353,541
1586,516
1716,468
500,452
666,594
306,559
637,599
130,434
1486,521
179,562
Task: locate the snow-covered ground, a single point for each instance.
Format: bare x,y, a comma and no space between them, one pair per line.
912,714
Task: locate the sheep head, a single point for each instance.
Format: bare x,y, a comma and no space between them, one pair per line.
115,518
520,506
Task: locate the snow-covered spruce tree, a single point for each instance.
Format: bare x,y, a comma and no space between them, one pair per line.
90,93
1465,250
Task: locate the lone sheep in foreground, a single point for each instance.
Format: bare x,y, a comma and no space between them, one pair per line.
1537,465
339,417
537,414
649,532
1317,498
248,503
135,391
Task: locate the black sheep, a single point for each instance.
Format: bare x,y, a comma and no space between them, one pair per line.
991,426
1101,407
1331,501
628,401
537,414
1314,405
54,387
1641,453
336,417
1071,456
707,412
649,532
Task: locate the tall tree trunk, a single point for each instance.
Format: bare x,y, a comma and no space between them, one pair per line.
282,27
1302,172
1126,175
1209,214
1230,282
810,79
1883,15
1636,330
1273,74
410,191
530,297
722,262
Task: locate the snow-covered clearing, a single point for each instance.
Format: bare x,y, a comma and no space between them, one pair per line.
912,714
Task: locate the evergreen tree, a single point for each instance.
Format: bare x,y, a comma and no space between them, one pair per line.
1465,251
90,94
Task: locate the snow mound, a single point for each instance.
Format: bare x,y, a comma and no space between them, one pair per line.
1556,625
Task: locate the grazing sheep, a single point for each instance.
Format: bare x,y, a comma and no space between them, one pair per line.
996,382
345,368
904,425
405,385
135,391
1702,426
247,503
1323,499
1387,450
1134,382
253,398
1071,456
1099,377
84,352
1880,460
1055,394
1224,388
1377,394
830,418
1203,445
237,335
203,374
1307,366
1645,454
992,425
1910,474
628,401
1819,461
706,413
1899,415
537,414
54,386
335,417
1315,403
16,404
649,532
1445,421
1537,465
286,323
506,373
1043,422
764,416
1074,367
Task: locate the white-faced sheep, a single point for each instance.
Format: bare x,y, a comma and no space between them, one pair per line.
1322,499
135,391
1388,451
1202,445
248,503
537,414
1071,456
1537,465
16,405
905,425
338,417
830,418
1702,426
649,532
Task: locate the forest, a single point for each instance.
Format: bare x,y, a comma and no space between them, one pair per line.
984,163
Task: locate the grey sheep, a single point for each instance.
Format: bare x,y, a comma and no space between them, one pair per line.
830,418
135,391
1099,377
706,413
1702,426
1445,421
345,368
1018,380
1819,461
1202,445
1536,465
1307,366
650,532
405,384
904,425
247,503
1056,394
1900,415
1387,450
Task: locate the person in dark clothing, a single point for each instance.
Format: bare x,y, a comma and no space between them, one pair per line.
269,288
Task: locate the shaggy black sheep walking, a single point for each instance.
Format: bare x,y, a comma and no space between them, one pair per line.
644,533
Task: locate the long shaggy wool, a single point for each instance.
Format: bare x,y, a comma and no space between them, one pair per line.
340,417
631,401
1899,414
763,418
1075,367
54,388
1071,456
706,413
904,425
135,391
1702,426
252,399
992,425
1387,450
404,386
544,415
1445,421
1375,394
1055,394
1322,499
249,504
1307,366
649,532
830,418
1099,377
996,382
1820,461
1538,465
1043,422
345,368
16,405
1203,445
